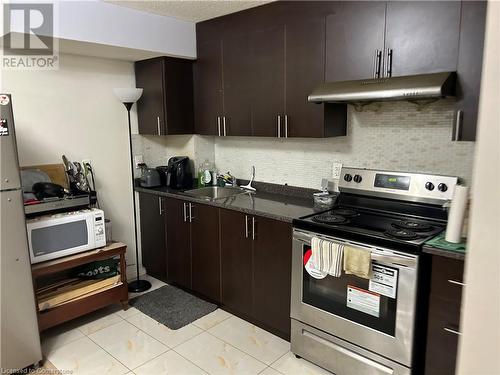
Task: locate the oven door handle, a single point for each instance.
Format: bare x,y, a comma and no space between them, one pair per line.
387,259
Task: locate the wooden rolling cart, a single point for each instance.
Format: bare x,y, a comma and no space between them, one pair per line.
91,301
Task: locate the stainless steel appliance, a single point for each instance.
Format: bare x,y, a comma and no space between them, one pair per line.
62,234
421,86
351,325
20,341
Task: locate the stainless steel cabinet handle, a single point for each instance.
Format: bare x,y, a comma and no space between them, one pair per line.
286,126
246,226
378,67
190,213
218,125
253,229
158,123
224,125
458,126
278,123
456,282
377,63
185,211
451,330
159,205
389,63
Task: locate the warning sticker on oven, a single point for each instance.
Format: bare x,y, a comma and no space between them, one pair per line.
363,300
309,266
384,280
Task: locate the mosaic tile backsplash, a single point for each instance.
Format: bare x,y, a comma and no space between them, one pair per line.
396,136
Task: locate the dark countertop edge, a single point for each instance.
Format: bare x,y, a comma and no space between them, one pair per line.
444,253
187,198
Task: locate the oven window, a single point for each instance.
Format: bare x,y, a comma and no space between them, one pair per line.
55,238
348,296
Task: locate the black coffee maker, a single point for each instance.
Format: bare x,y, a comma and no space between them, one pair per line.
177,174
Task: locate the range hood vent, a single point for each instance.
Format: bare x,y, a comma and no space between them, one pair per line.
416,87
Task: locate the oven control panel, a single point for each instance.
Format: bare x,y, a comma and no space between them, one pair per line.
416,187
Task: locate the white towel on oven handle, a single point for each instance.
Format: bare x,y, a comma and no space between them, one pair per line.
327,256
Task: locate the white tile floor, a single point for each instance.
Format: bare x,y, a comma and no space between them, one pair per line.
129,342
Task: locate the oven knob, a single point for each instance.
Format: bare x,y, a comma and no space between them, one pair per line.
347,177
358,178
429,186
442,187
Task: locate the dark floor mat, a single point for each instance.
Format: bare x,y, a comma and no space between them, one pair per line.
172,306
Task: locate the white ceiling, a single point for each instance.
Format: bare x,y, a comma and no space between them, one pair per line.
187,10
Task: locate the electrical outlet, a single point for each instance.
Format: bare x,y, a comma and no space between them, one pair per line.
138,159
336,170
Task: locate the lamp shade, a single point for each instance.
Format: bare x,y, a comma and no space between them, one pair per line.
128,95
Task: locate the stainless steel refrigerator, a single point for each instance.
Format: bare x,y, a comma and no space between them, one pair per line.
20,341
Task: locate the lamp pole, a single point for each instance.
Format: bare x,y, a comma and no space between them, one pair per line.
128,97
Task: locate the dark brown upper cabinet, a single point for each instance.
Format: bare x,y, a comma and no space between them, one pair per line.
166,105
153,240
355,40
208,87
236,119
305,68
421,37
268,81
470,61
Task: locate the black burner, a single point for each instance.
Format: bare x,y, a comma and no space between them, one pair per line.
329,219
402,234
345,212
412,226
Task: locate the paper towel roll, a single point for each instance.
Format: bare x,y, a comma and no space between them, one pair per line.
456,214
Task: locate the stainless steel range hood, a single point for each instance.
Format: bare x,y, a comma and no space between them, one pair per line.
422,86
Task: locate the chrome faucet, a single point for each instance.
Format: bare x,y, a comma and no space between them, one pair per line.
249,185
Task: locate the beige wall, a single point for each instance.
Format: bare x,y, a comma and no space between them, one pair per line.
73,111
479,352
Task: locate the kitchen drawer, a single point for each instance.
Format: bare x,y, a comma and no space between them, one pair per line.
447,278
442,337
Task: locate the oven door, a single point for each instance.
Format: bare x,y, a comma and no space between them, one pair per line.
58,236
378,317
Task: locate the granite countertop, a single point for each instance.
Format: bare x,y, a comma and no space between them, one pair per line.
271,204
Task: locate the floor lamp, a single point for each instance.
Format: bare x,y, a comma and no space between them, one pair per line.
128,96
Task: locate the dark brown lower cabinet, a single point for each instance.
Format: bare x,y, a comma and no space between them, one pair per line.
153,245
205,251
236,253
178,242
256,269
272,260
444,316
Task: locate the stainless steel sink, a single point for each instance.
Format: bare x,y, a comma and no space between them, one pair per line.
215,192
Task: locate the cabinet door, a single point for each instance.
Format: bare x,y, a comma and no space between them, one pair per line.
178,75
268,81
178,243
272,273
423,36
236,259
153,243
208,87
470,62
151,105
305,69
205,247
354,33
238,67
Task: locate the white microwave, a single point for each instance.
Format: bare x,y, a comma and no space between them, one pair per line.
59,235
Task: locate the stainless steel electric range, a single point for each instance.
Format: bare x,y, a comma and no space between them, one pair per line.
350,325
